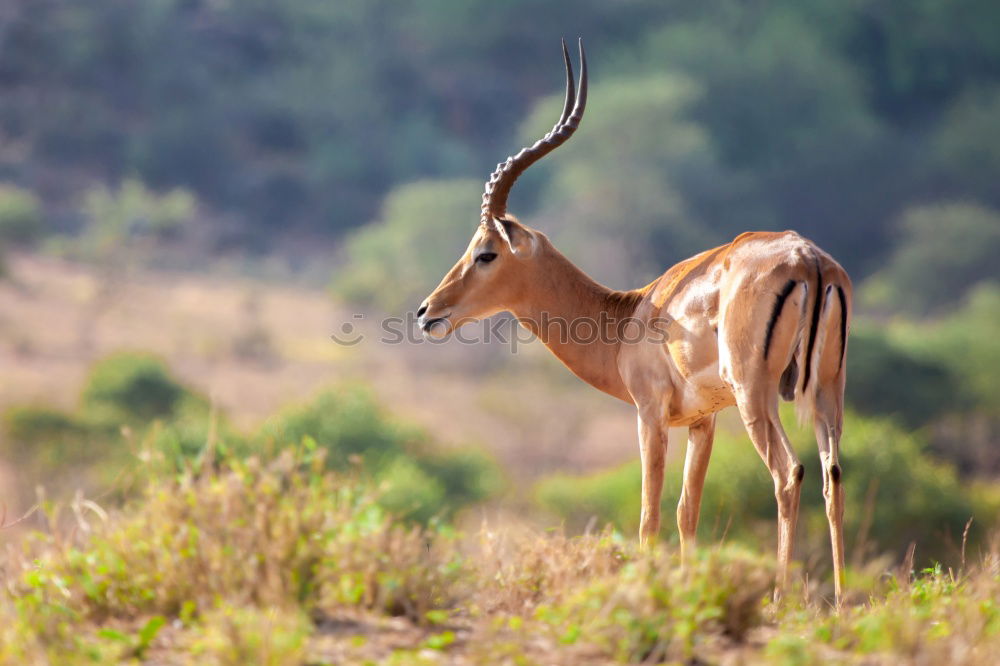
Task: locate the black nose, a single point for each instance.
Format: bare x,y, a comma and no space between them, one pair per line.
421,310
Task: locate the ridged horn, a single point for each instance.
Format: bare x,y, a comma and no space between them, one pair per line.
507,172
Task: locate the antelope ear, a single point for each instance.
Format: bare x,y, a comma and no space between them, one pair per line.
520,241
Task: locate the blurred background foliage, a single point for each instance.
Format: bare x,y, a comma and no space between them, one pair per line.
355,136
422,228
131,402
299,119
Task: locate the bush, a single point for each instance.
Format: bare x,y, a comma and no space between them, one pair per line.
965,342
128,400
132,387
466,475
132,401
20,216
349,424
357,434
49,438
885,379
410,492
609,496
942,251
133,210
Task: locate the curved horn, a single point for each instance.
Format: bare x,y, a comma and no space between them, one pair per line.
502,179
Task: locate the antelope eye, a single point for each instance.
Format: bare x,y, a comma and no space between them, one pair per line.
486,257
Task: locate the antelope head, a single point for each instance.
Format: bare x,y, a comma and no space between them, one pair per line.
500,265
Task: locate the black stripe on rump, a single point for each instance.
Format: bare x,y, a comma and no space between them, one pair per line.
779,303
814,326
843,325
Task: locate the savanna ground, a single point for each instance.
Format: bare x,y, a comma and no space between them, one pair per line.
273,534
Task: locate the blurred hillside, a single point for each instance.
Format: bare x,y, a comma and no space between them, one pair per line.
296,120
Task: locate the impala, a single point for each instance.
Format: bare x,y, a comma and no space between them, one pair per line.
764,315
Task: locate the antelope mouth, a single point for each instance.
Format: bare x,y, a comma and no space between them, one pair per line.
436,327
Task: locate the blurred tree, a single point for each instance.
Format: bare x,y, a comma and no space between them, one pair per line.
612,191
20,215
395,261
884,379
965,341
942,251
788,123
117,217
917,56
830,118
967,146
20,220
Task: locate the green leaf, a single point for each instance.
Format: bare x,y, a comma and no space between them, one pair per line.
149,631
113,635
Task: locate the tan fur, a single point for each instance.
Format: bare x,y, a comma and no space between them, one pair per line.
714,308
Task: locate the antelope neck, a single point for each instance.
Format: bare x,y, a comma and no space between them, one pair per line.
576,318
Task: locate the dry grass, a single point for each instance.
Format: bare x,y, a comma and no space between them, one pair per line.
201,549
281,562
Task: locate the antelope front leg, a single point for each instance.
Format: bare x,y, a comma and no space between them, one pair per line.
652,451
699,449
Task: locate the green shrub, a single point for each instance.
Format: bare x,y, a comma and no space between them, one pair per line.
944,250
410,492
20,215
349,424
358,434
129,401
466,475
965,342
132,402
610,496
131,387
116,218
885,379
28,426
60,447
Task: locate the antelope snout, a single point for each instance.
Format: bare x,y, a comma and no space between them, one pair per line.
435,327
